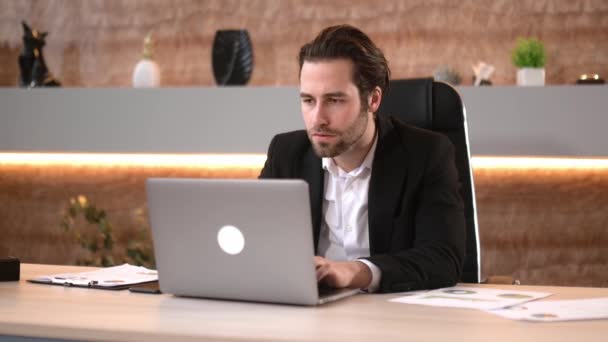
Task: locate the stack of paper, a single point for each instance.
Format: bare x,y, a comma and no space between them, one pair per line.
117,277
518,305
471,297
557,310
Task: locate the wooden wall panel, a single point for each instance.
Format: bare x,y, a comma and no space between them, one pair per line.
542,226
35,199
96,43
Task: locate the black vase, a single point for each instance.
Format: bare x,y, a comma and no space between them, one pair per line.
232,57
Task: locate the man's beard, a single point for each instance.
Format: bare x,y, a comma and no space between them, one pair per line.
345,139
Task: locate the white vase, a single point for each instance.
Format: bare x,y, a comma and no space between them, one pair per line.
146,74
531,77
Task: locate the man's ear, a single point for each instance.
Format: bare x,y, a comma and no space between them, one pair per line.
374,99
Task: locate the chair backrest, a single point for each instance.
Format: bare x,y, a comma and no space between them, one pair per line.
437,106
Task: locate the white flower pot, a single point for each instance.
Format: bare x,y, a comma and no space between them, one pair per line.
531,77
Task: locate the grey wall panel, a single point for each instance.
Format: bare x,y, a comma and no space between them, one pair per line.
185,120
563,120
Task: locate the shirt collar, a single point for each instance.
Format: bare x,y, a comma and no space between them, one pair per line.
330,166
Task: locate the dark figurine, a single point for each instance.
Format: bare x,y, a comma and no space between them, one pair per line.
34,72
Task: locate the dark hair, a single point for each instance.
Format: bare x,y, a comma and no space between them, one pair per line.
345,41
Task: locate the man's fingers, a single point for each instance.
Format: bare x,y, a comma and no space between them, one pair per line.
333,274
322,271
319,261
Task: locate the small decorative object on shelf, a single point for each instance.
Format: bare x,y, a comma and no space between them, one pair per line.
34,72
482,73
444,73
232,57
147,73
590,79
529,57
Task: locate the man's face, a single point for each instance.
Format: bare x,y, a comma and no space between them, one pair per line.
331,106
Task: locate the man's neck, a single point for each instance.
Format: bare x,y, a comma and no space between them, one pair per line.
353,158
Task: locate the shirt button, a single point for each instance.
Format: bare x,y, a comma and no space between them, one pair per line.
348,228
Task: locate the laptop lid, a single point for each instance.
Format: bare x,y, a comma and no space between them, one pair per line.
233,239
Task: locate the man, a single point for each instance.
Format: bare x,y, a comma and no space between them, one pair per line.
386,212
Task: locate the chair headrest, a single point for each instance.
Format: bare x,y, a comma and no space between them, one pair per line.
423,103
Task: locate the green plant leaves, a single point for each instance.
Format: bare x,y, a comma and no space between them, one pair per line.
101,245
528,53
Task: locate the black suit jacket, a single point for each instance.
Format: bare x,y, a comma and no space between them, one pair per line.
416,215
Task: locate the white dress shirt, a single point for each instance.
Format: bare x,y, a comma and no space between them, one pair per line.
344,232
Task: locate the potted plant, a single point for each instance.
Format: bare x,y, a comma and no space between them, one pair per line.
529,57
100,242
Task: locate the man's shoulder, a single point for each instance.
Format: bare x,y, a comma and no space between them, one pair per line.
298,136
291,142
286,154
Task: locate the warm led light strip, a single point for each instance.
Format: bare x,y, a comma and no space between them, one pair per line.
539,163
141,160
257,160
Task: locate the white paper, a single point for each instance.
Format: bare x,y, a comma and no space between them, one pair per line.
106,277
557,310
471,297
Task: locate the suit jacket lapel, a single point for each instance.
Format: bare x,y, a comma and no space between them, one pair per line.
389,172
313,173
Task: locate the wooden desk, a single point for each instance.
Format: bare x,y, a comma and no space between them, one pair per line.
86,314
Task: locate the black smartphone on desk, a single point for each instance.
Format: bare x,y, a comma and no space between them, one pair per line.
151,287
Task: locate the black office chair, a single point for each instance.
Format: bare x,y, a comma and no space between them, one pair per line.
437,106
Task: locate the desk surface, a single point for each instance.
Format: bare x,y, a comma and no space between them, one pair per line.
86,314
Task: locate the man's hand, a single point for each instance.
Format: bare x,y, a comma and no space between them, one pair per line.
341,274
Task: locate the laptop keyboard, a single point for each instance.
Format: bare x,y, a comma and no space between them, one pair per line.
326,291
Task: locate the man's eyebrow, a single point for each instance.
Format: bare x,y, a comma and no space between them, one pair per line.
335,94
332,94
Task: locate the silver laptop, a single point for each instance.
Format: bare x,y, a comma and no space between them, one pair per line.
235,239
